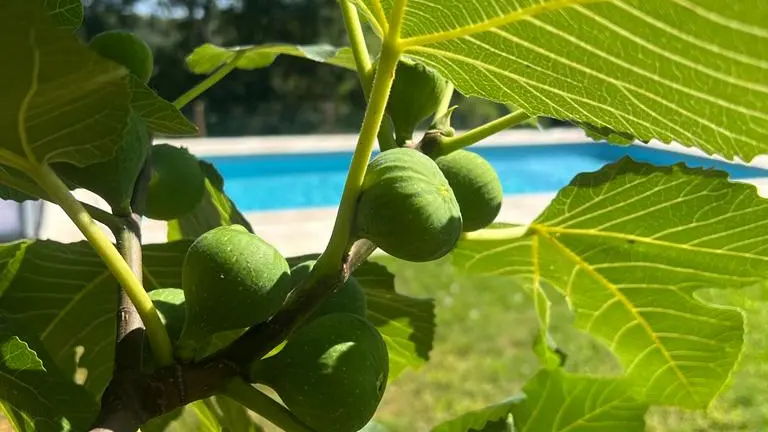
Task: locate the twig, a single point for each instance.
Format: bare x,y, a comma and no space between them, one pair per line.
134,398
129,347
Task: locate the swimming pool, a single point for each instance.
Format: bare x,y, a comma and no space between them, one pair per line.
304,180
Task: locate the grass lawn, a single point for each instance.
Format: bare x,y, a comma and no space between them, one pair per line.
482,355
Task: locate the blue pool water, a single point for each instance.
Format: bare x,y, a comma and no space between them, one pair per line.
291,181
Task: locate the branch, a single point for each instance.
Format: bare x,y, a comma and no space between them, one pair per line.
134,398
332,267
129,349
386,134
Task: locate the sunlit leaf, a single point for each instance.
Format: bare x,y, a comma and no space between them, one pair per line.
34,395
691,71
406,323
60,101
64,295
629,246
160,115
208,57
495,418
557,401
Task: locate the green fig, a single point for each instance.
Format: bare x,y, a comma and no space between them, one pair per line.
349,298
232,279
331,373
416,93
476,185
407,208
176,185
126,49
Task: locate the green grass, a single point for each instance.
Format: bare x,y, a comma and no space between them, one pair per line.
482,355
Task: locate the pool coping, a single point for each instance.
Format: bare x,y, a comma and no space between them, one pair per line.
331,143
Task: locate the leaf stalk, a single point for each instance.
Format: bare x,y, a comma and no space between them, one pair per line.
451,144
208,82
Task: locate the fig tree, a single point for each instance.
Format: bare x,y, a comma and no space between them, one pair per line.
331,373
349,298
176,185
415,95
232,279
407,208
476,186
126,49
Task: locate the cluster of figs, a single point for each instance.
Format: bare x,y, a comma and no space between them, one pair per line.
332,371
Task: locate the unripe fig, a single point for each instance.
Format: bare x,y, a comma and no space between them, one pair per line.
232,279
407,208
349,298
415,95
476,185
126,49
176,185
331,373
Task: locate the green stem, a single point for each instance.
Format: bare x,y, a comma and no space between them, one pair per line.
450,144
207,83
386,134
357,43
256,401
333,256
158,337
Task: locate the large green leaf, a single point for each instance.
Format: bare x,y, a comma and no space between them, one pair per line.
208,57
629,245
160,115
495,418
162,264
68,14
34,395
60,102
406,323
692,71
214,210
557,401
64,295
